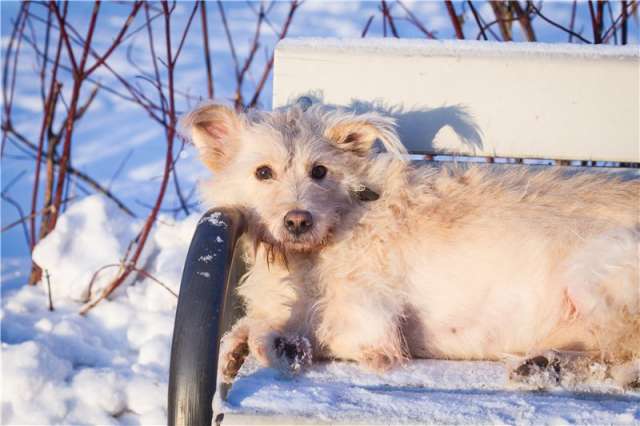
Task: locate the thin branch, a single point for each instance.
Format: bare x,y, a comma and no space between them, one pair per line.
476,16
131,265
207,55
8,89
116,41
77,173
5,196
453,16
623,5
574,7
555,24
225,25
184,33
293,6
595,23
365,30
387,15
525,21
504,22
416,22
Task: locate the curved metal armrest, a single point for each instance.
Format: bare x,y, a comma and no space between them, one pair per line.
203,313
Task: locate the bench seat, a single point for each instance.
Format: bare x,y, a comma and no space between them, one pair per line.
422,392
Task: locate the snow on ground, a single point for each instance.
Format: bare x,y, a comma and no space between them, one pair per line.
110,367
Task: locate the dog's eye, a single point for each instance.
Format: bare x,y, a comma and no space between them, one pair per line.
318,172
264,173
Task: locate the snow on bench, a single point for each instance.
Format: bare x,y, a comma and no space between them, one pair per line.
424,392
450,97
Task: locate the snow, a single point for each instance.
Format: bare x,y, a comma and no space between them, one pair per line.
424,392
110,367
421,47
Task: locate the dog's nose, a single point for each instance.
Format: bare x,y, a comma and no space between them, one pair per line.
298,221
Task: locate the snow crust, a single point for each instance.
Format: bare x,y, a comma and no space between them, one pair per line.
456,48
422,392
110,367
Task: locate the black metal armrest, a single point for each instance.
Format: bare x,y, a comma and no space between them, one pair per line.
205,310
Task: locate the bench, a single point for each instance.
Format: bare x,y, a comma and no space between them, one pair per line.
453,100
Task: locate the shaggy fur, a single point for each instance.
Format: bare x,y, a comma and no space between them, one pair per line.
449,262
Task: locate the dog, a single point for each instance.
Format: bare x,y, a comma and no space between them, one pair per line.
358,254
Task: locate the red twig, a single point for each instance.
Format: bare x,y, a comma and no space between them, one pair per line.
572,22
170,134
293,6
595,22
116,42
387,15
623,5
525,20
454,19
207,55
500,10
621,20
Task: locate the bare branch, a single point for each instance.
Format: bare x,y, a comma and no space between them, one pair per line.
455,21
207,55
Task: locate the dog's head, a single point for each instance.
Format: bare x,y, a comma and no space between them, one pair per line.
295,173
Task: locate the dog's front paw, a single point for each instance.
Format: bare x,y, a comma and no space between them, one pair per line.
292,354
234,349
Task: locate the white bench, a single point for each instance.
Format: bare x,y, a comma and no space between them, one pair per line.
522,100
452,98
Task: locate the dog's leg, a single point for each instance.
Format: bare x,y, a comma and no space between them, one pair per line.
363,325
288,352
604,286
234,349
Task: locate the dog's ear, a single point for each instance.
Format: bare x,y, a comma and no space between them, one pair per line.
214,130
357,134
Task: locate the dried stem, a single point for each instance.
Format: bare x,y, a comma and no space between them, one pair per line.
365,30
386,13
501,12
293,6
207,55
455,21
170,117
524,19
476,17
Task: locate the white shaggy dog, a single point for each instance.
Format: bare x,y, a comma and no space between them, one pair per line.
363,256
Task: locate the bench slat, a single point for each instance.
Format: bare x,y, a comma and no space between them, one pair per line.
478,98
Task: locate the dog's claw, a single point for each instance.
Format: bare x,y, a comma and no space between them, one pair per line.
294,353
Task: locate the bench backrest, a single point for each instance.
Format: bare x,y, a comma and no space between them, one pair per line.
516,100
